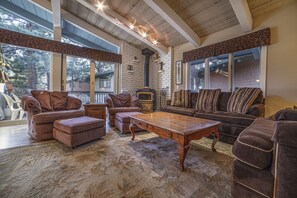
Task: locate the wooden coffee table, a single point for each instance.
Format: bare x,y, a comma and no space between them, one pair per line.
180,128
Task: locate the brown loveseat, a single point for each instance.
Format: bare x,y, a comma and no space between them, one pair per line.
122,102
266,158
44,107
232,123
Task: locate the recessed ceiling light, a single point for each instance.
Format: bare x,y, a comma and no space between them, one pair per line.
155,42
131,26
144,34
100,5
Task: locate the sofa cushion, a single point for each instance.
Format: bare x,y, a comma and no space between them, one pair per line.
193,97
51,116
227,117
286,114
43,98
73,102
242,99
254,145
77,125
120,100
124,116
59,100
113,111
179,110
223,100
185,98
208,99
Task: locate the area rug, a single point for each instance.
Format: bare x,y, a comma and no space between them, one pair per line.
114,167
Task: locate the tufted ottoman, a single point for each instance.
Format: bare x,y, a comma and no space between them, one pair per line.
122,121
76,131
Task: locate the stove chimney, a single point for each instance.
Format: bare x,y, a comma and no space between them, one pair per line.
147,52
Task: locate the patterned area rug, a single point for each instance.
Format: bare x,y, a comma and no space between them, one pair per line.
114,167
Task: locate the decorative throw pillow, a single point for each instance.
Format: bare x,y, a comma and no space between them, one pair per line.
43,98
172,99
59,100
177,98
120,100
242,99
208,99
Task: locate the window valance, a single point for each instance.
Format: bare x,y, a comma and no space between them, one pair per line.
252,40
24,40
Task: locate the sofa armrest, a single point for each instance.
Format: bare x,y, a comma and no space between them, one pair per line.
109,102
73,103
286,114
256,110
134,101
285,158
286,133
168,102
30,104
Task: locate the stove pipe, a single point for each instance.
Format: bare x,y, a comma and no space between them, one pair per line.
147,52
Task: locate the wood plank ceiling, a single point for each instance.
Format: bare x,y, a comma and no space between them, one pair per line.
203,16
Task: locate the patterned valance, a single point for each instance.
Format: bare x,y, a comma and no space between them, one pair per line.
24,40
248,41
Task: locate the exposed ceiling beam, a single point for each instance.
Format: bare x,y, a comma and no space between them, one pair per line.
122,23
79,23
56,8
167,13
243,14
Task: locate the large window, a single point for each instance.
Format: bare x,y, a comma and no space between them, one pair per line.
104,80
217,72
246,68
218,68
197,75
78,77
12,22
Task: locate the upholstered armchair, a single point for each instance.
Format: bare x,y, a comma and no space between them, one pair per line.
123,102
44,107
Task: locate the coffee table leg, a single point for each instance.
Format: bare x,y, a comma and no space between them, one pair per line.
215,140
132,130
182,152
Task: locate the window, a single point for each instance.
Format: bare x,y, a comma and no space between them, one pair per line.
218,70
104,80
104,83
242,71
78,77
197,75
246,68
14,23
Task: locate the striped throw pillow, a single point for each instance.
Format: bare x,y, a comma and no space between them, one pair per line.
208,99
242,99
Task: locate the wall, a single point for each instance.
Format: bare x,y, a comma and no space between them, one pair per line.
281,90
159,80
130,82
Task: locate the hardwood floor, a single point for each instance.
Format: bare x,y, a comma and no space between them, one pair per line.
15,136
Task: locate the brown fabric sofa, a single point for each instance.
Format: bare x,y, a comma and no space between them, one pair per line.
122,102
232,123
44,107
266,158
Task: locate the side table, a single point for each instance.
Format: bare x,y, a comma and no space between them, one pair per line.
96,111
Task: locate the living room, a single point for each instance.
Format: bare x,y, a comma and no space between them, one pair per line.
152,98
